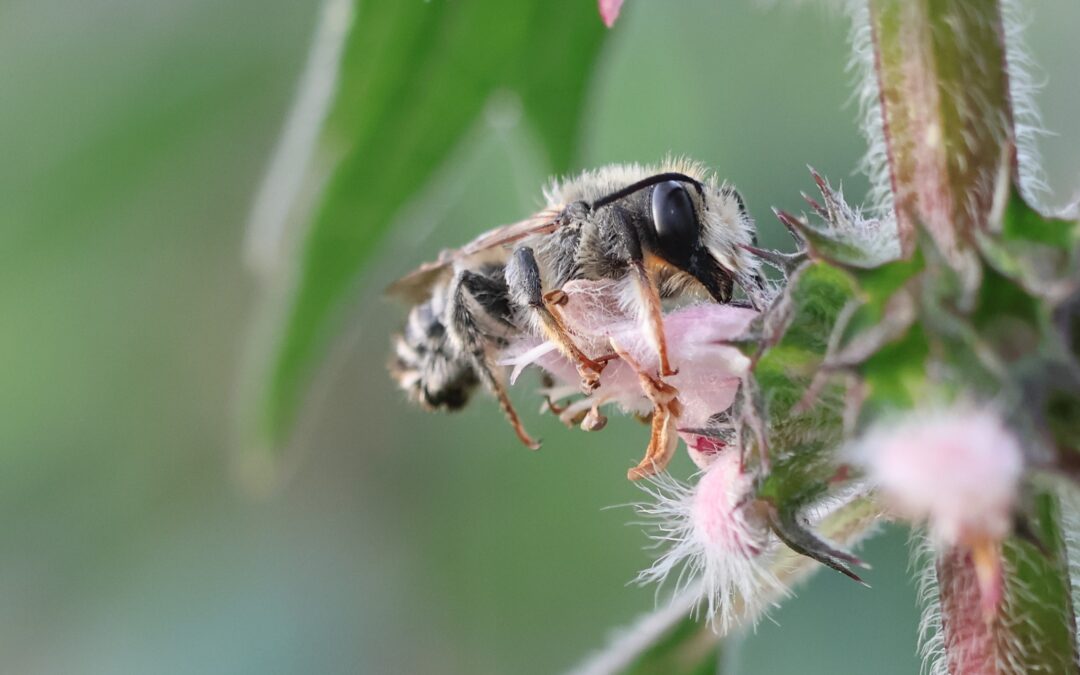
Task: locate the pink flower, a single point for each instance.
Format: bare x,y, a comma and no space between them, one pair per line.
717,533
609,11
959,471
716,530
601,317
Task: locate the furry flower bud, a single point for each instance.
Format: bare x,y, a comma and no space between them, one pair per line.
609,11
957,469
717,533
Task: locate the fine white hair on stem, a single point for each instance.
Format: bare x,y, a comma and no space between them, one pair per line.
875,163
930,636
1027,122
627,645
1069,503
847,516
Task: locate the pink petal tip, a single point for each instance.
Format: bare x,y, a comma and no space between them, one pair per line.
609,11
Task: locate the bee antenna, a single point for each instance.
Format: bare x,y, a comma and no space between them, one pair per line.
647,182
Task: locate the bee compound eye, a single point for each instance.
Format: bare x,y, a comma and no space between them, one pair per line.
674,217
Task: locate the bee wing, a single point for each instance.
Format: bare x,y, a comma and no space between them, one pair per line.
416,285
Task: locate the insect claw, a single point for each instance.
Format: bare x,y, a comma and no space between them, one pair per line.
572,415
529,442
552,406
594,420
662,443
590,381
605,359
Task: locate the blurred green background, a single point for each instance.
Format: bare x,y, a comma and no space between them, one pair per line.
134,136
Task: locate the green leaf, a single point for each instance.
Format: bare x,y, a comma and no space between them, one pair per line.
1021,222
880,282
1039,252
837,247
814,298
414,77
896,376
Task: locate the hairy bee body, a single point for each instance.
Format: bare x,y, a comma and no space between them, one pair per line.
427,365
663,233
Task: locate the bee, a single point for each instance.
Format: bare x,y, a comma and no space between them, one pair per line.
666,234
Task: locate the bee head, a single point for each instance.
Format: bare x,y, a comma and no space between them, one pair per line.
702,233
700,230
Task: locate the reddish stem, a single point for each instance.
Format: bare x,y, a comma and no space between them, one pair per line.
947,115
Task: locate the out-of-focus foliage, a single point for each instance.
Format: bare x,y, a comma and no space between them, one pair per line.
135,134
414,77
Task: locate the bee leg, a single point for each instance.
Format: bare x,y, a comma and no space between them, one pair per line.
585,413
466,331
526,289
648,295
664,436
594,420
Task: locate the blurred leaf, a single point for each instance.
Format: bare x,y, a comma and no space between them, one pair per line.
415,76
1040,252
1021,222
895,376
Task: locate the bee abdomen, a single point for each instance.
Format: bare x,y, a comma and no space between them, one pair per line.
426,364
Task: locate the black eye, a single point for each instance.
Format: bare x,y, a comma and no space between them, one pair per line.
674,217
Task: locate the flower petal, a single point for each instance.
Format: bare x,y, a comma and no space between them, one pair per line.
609,11
957,468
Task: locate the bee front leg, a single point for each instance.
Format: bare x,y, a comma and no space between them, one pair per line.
666,411
526,290
465,330
648,294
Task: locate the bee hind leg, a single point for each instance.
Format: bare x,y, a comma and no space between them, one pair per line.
526,289
471,291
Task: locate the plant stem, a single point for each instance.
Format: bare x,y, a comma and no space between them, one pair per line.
947,115
1031,630
948,125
